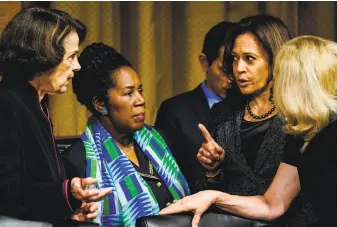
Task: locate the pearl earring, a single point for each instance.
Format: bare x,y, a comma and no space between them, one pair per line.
104,111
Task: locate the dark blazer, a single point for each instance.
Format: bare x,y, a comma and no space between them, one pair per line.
177,121
32,176
239,178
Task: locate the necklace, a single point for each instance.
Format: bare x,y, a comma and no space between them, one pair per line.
150,175
259,117
127,149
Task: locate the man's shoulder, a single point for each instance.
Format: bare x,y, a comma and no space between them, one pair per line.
220,106
224,109
183,100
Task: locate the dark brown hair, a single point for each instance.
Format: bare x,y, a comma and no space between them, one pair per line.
271,32
32,42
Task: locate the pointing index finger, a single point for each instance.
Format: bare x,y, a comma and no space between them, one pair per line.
205,133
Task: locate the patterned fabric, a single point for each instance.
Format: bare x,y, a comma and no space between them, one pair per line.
131,196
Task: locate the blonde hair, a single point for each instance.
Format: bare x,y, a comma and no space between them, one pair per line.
305,80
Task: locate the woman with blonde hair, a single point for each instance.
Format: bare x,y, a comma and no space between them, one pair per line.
305,95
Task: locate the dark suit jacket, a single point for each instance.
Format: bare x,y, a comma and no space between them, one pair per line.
177,121
31,172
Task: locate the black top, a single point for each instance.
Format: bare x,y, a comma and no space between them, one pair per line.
31,172
157,186
252,134
74,161
317,170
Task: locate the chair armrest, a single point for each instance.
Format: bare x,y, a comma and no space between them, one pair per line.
207,220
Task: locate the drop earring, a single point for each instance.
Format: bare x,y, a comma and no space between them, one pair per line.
104,111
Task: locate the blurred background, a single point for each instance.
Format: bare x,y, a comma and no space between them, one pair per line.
163,39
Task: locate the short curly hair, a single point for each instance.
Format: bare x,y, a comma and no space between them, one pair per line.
99,64
32,42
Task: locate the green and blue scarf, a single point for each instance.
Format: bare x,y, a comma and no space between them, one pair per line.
131,196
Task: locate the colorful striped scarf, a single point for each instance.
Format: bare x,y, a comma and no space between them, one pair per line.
131,196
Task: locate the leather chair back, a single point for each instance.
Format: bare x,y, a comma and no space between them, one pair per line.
207,220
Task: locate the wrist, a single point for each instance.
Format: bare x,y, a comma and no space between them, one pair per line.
73,202
220,198
215,195
209,168
214,176
213,173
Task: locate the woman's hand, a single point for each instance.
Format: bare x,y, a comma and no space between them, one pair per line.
81,192
210,154
197,203
86,212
